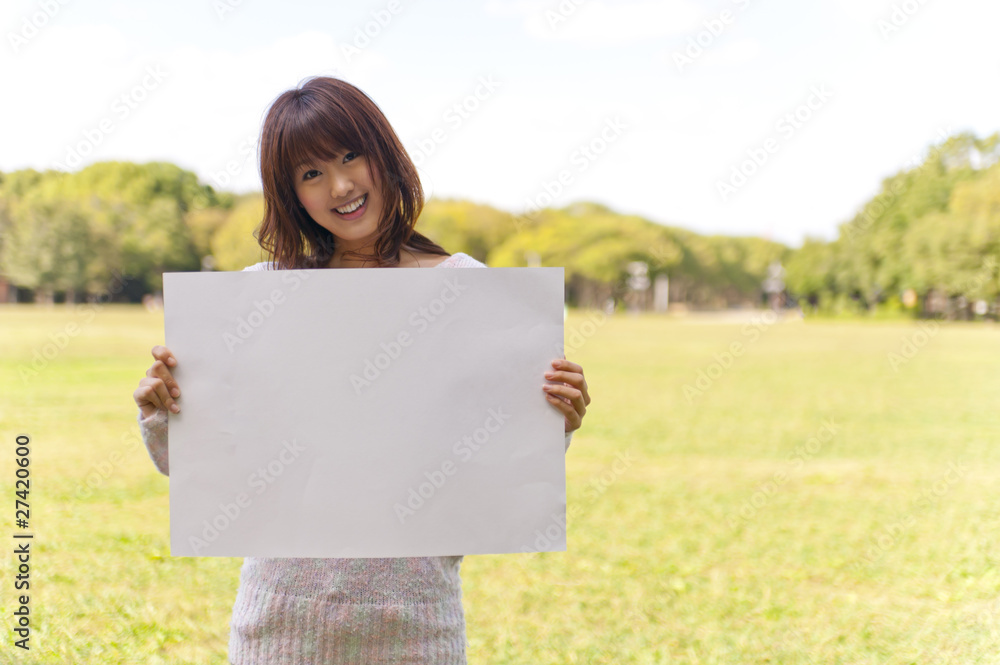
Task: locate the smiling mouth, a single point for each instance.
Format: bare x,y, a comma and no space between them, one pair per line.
353,205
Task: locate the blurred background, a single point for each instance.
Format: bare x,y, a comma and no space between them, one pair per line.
780,228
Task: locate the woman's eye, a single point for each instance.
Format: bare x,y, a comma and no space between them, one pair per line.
307,175
350,154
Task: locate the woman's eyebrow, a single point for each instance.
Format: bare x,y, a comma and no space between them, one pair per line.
334,154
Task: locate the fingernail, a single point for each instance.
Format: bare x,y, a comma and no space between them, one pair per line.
175,408
546,387
171,361
555,363
175,392
550,374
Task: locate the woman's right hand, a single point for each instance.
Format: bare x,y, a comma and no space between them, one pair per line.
158,390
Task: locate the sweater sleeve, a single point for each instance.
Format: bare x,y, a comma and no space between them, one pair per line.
154,435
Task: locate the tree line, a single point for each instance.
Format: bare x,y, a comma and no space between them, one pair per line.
927,242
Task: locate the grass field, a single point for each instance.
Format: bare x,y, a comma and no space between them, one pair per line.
831,494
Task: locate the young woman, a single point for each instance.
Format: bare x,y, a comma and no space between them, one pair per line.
341,192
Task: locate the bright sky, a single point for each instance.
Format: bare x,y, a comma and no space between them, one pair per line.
557,101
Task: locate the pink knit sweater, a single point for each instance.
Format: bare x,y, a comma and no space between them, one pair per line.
311,611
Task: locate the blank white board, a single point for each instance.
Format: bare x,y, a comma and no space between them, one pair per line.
378,412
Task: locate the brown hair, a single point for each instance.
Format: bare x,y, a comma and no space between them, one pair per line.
322,116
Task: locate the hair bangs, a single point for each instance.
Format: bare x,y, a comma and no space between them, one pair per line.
314,132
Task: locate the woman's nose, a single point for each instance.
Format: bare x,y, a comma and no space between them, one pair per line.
340,186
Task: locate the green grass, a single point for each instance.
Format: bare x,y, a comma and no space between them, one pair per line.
684,544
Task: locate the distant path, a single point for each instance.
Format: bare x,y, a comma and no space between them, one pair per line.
732,316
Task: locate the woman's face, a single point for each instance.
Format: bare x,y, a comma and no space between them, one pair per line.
324,186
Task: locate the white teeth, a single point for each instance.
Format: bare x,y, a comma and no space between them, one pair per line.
354,206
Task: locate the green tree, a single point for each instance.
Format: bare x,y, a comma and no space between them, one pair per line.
235,245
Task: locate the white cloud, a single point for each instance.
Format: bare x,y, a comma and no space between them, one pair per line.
733,53
599,22
866,11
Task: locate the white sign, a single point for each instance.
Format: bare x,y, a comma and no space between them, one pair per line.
386,412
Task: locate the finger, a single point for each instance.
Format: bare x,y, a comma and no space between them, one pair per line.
572,394
145,396
585,391
560,404
164,354
166,401
160,397
563,364
572,417
573,378
160,371
572,369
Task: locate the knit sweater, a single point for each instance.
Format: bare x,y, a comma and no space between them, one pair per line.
313,611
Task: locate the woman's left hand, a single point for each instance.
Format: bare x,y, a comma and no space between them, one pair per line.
571,396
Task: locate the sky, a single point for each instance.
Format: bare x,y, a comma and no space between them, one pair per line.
771,118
